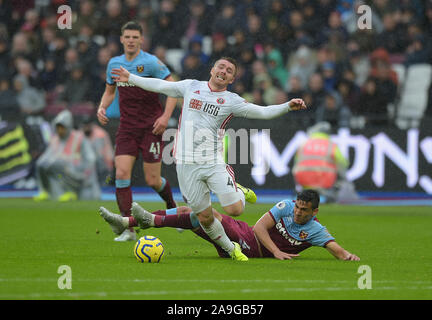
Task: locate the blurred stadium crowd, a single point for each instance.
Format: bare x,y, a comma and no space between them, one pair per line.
298,48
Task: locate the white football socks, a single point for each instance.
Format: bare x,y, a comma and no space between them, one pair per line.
242,197
217,233
125,222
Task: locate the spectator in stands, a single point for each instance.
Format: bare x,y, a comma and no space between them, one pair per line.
30,99
102,146
31,30
386,78
295,87
49,74
372,104
193,68
334,25
66,170
277,21
220,47
302,63
246,60
195,47
428,20
77,89
393,38
167,32
8,101
70,60
5,67
59,51
403,28
112,18
418,51
160,52
275,65
380,7
48,44
21,47
97,74
366,39
199,20
333,110
296,22
315,93
358,63
225,22
262,83
349,93
329,75
312,18
87,15
87,50
256,32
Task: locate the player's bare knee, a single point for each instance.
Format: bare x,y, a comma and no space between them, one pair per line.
206,217
234,209
153,181
183,210
122,174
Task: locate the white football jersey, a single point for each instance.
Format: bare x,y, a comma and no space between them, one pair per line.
202,123
205,114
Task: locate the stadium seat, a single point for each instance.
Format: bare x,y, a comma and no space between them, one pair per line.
414,96
174,57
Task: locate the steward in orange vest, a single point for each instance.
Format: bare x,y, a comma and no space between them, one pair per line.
319,163
67,168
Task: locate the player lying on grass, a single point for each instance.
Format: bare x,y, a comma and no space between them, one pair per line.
283,232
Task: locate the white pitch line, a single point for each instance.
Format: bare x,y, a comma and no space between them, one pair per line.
212,280
162,293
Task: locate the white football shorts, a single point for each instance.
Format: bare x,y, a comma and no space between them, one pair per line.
197,180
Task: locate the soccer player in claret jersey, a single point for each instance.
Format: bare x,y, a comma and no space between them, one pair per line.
283,232
142,122
207,108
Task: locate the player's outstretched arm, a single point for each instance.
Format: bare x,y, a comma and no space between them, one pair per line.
168,88
261,232
273,111
161,123
340,253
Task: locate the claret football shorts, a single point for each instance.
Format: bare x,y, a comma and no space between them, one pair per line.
133,141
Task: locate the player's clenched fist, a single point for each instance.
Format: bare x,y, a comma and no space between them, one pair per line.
297,104
120,75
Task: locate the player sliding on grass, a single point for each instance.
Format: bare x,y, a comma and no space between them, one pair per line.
207,109
283,232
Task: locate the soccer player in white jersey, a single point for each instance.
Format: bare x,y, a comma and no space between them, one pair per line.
207,108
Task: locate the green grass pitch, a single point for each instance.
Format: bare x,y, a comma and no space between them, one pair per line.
38,238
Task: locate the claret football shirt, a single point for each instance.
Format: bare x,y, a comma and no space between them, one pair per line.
291,237
138,108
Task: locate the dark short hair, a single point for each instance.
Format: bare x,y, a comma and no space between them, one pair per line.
311,196
231,60
132,25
